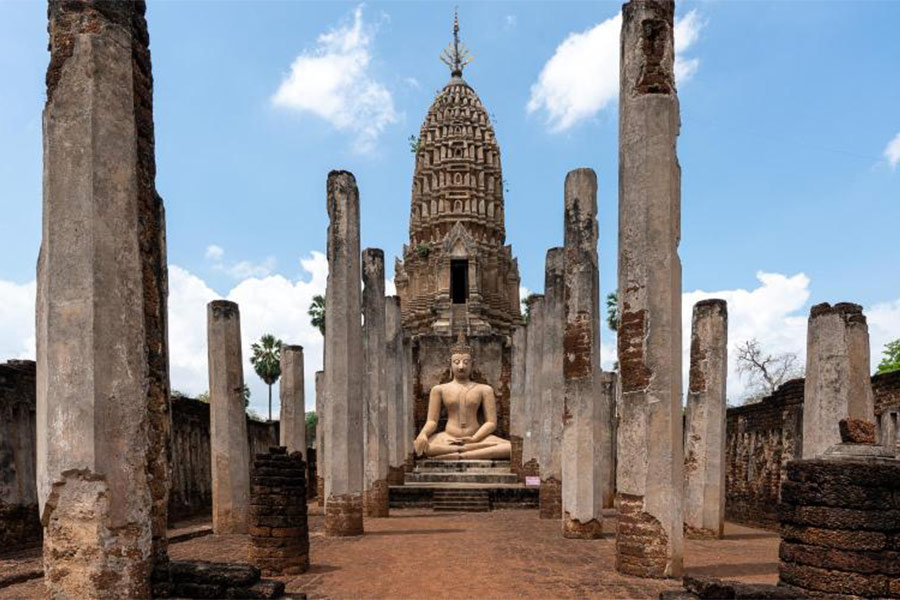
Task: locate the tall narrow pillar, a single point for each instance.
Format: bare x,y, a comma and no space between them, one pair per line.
393,382
551,404
517,414
229,445
649,536
704,440
586,407
375,494
320,437
409,411
344,362
103,422
533,384
837,382
292,429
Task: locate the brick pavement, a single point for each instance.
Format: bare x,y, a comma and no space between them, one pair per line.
501,554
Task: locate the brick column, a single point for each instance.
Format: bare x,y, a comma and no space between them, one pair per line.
102,411
517,414
279,533
343,455
533,384
229,445
375,494
649,539
552,401
704,440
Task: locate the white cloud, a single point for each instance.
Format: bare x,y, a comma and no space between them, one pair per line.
271,304
333,81
582,76
412,82
214,252
241,269
892,151
884,327
510,22
17,339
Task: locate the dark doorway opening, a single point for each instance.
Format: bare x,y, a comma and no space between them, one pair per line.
459,281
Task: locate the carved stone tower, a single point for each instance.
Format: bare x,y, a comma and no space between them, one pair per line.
456,273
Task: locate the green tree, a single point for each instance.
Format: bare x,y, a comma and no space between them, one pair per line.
526,306
312,419
317,313
204,396
612,310
891,360
266,361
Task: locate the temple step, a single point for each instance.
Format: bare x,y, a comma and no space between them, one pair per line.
461,501
461,465
459,477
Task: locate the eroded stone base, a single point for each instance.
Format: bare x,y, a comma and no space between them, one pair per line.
200,579
344,515
395,475
551,499
575,529
83,556
376,500
641,542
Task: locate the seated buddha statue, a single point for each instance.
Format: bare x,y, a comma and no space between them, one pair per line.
463,437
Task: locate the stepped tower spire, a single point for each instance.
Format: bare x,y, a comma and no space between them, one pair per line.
456,55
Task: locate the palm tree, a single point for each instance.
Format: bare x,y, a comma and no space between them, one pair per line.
612,310
317,312
266,361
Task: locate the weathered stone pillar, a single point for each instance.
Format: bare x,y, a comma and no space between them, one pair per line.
517,414
393,382
344,362
650,482
533,384
408,403
292,429
586,406
320,437
552,401
229,445
704,440
375,495
837,382
103,420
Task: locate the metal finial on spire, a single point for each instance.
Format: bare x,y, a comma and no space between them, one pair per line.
456,55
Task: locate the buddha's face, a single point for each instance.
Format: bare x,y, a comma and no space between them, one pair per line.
461,365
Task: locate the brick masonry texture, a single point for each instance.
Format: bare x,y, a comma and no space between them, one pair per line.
640,539
841,527
551,499
279,533
762,437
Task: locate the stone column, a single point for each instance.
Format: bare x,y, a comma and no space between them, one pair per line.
409,403
650,484
375,495
344,364
393,382
292,429
102,414
533,384
552,401
517,414
229,445
586,406
837,382
320,437
704,440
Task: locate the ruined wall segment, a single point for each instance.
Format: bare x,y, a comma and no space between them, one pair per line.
704,441
343,454
517,400
375,495
837,374
229,449
533,384
102,373
650,445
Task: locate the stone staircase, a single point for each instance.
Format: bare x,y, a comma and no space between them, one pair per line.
462,472
461,500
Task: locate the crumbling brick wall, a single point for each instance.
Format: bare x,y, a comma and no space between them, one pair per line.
760,439
19,521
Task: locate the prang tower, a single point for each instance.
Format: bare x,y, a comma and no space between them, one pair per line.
456,273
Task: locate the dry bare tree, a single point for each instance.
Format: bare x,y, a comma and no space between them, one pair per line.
765,372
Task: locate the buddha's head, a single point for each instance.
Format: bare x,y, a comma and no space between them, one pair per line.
461,359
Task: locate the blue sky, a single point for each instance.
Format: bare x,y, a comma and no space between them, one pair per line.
790,149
